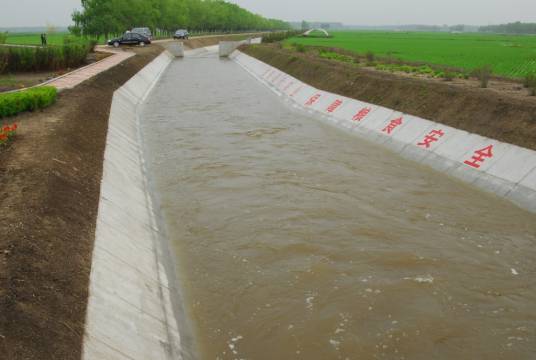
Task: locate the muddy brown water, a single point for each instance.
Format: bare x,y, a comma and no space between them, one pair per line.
296,240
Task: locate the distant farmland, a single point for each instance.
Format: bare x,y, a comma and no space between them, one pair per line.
511,56
34,38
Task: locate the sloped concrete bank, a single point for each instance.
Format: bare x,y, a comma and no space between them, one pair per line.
504,169
499,112
133,307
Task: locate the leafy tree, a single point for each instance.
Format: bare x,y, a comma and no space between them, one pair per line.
104,17
511,28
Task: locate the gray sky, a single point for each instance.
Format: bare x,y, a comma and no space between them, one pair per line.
355,12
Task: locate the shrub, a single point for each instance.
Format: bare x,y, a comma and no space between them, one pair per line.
71,54
529,80
483,74
27,100
449,75
370,57
3,37
425,70
336,56
406,68
279,36
300,48
530,83
3,59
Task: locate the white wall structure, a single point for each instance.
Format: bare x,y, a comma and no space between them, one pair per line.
226,48
130,313
308,32
503,169
176,48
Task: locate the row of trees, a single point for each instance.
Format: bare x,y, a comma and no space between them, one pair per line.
103,17
511,28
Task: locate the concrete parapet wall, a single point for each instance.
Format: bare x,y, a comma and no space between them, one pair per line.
176,48
130,313
226,48
503,169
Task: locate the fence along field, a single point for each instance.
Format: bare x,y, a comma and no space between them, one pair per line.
509,55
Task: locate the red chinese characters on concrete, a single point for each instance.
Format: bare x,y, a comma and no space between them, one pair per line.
479,157
285,89
361,114
296,91
312,99
432,137
334,106
393,125
276,77
283,79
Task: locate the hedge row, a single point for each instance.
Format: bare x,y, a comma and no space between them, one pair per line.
43,58
279,36
27,100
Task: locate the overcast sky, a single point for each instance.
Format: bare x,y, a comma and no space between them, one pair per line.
352,12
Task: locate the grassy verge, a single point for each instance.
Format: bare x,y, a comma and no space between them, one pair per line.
72,53
510,56
384,63
27,100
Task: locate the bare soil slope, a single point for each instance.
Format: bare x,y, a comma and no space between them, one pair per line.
49,192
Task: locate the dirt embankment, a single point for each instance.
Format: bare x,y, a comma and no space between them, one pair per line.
49,193
487,112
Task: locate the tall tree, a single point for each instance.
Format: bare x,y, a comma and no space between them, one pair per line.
103,17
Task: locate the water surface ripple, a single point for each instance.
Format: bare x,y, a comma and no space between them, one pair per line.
299,241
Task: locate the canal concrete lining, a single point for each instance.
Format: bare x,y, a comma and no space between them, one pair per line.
133,298
131,312
506,170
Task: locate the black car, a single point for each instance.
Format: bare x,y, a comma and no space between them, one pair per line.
130,38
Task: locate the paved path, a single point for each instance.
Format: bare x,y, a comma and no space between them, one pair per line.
74,78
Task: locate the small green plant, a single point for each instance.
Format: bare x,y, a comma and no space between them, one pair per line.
530,83
483,74
3,37
27,100
449,75
370,58
7,132
300,48
331,55
425,70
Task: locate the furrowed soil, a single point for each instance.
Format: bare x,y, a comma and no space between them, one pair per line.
496,112
49,193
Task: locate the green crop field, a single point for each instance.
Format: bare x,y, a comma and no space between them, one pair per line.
511,56
34,38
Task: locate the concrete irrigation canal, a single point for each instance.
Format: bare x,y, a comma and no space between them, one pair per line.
271,234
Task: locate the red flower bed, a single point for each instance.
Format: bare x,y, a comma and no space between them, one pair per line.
7,132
